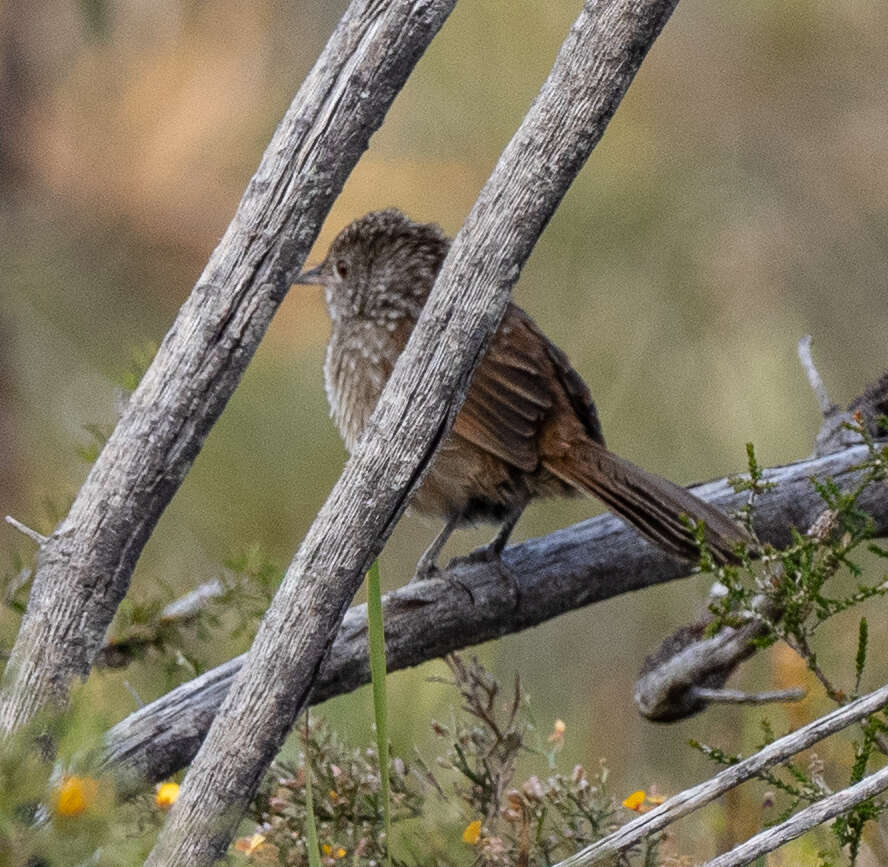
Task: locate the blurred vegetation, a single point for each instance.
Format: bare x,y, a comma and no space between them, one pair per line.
736,202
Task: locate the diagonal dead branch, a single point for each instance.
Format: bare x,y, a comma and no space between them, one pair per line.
692,799
85,567
818,813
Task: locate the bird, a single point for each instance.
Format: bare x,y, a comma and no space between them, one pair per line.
528,429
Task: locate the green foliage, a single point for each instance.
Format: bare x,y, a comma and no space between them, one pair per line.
140,360
534,822
313,849
786,590
380,699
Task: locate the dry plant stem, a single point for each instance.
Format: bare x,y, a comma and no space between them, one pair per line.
698,796
577,566
597,62
818,813
84,568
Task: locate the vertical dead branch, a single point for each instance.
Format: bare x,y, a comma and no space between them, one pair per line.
595,66
84,568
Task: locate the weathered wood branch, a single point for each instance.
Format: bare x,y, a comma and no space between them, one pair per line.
594,67
692,799
84,568
816,814
580,565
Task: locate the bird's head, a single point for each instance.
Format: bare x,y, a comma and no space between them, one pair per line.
380,267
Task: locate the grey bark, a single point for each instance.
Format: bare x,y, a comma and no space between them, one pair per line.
692,799
573,567
593,69
818,813
84,569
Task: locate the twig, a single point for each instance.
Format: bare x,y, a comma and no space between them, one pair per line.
818,813
827,407
667,688
833,434
22,577
698,796
32,534
122,650
187,607
736,696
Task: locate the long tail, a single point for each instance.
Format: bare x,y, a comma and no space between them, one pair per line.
650,503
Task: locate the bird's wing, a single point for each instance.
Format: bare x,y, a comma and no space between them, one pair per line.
510,394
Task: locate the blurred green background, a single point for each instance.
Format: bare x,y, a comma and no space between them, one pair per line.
737,202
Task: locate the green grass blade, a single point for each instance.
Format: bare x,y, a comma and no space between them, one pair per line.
311,829
380,699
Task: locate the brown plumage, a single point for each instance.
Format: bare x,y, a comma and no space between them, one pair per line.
528,427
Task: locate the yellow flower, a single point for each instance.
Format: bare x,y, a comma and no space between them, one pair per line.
339,853
326,849
249,845
166,795
75,794
634,801
472,834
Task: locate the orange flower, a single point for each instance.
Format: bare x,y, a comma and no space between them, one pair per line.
558,731
166,795
75,794
472,834
634,801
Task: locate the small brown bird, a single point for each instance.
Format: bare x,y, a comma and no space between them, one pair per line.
528,427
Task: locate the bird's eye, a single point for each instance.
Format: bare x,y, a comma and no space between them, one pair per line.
342,268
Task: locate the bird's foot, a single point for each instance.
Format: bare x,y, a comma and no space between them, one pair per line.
490,553
429,571
425,571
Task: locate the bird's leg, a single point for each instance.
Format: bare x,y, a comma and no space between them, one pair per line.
491,552
427,565
494,548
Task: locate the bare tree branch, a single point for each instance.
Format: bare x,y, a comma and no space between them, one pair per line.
694,798
84,568
595,66
577,566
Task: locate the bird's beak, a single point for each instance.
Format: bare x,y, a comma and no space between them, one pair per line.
312,277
